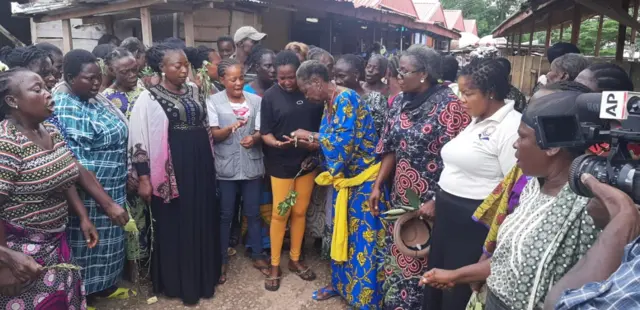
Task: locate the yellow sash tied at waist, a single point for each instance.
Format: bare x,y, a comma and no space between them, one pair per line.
339,242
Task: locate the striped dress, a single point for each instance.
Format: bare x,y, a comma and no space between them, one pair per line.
98,138
34,215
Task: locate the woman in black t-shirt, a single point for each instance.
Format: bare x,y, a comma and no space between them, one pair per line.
285,109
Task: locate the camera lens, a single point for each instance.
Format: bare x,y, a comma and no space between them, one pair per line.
624,175
594,165
633,105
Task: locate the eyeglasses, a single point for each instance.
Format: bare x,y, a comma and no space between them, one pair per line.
401,75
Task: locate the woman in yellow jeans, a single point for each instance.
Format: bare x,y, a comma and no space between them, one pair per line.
283,110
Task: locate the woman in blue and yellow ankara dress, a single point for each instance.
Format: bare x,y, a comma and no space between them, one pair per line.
347,140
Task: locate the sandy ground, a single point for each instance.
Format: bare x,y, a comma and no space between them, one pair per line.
245,290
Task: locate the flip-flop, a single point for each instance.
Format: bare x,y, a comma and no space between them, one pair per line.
328,294
122,293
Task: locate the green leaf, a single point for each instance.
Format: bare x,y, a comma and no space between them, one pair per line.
414,199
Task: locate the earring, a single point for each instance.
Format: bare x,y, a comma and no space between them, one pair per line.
422,81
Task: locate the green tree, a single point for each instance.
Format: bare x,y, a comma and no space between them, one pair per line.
488,13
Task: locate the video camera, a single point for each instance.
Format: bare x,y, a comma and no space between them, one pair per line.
621,126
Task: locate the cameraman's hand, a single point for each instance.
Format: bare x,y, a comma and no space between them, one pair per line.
607,202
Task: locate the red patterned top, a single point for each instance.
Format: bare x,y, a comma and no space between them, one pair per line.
416,136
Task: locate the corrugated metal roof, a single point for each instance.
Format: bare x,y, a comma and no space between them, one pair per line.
470,26
454,19
404,7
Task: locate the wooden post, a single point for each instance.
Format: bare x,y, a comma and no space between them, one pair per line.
635,17
561,32
547,41
145,20
189,29
108,24
533,25
513,43
67,39
575,25
599,35
520,41
622,32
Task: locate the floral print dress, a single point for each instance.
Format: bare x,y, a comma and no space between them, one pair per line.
137,243
416,135
348,140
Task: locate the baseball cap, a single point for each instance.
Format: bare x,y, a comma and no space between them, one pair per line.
248,32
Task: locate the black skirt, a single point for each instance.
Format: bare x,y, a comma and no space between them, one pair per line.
186,260
456,241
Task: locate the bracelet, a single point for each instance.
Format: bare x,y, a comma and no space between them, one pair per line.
311,138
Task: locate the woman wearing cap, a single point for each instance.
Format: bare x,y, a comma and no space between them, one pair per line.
347,139
423,117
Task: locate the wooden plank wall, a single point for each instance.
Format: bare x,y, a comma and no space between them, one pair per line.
84,36
210,24
526,69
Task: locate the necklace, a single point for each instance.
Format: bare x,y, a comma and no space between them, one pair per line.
329,109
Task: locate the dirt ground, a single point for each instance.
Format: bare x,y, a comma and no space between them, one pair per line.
245,290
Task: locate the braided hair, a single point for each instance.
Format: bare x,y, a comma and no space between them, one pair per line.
488,76
611,77
226,64
287,57
356,62
426,60
25,57
133,45
156,53
116,54
49,48
197,56
7,83
255,56
74,61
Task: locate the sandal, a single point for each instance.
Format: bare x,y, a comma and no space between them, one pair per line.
324,294
265,270
223,276
276,280
122,293
305,274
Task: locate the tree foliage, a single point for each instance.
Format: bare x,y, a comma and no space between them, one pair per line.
487,13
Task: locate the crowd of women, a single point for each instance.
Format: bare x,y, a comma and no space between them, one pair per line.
134,154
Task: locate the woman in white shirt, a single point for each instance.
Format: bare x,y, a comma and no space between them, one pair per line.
474,164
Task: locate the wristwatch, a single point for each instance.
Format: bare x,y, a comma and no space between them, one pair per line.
311,138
